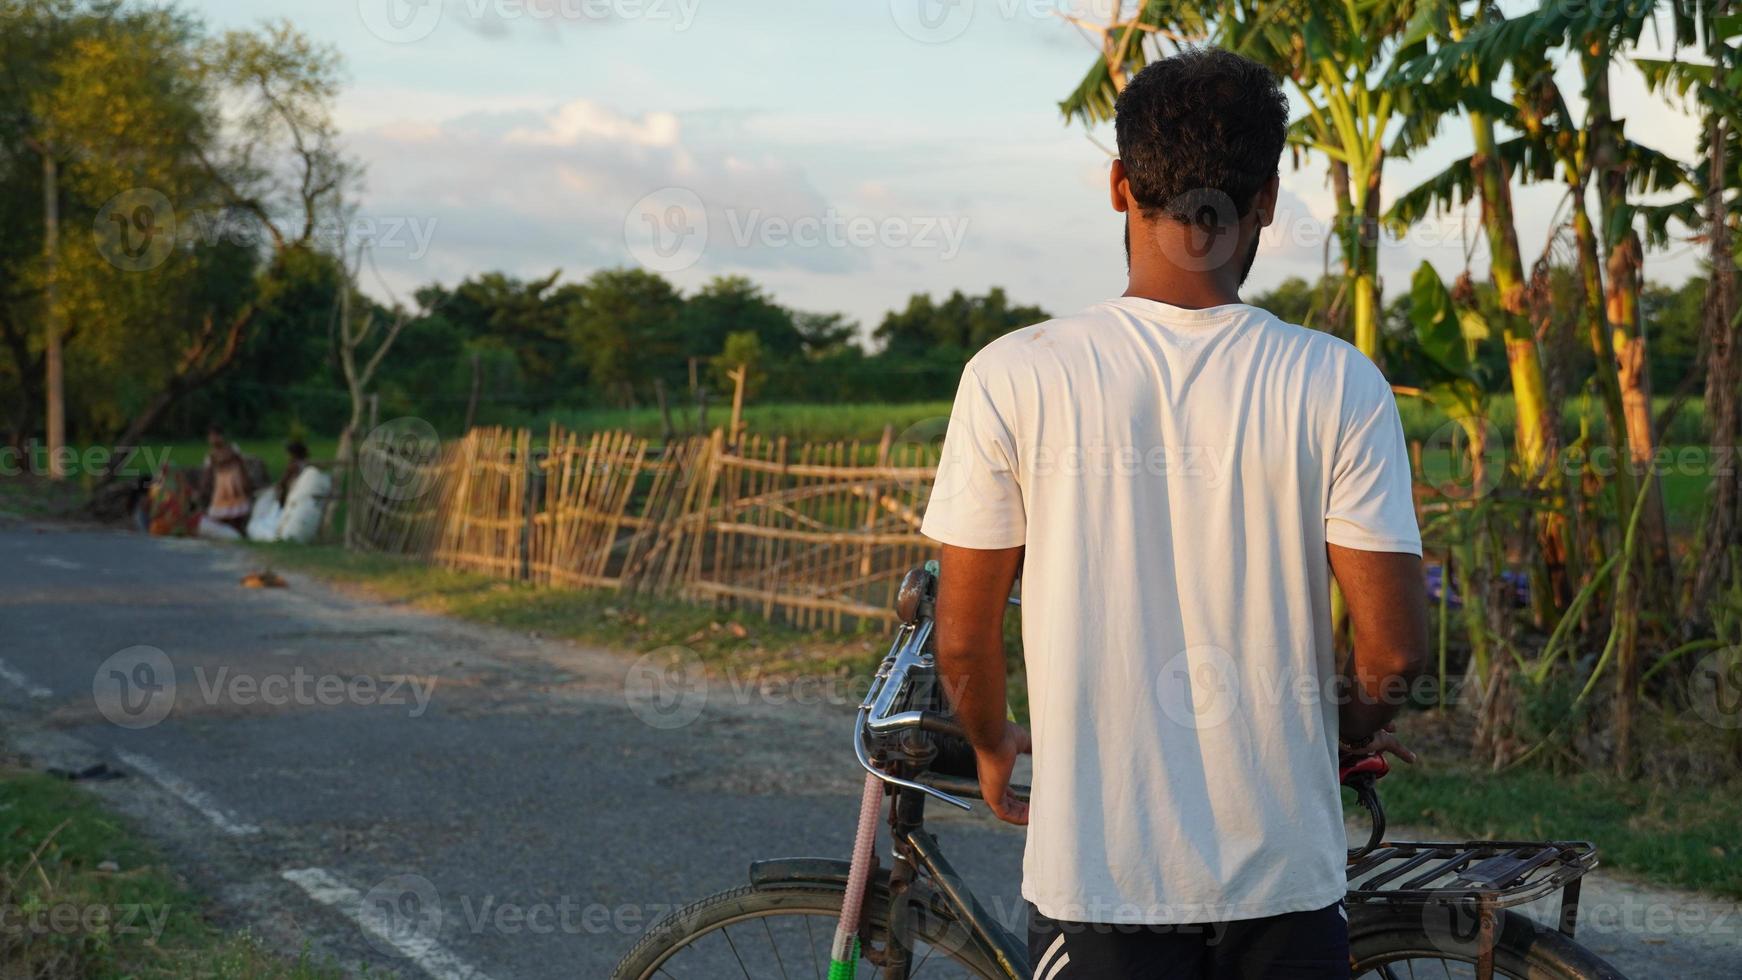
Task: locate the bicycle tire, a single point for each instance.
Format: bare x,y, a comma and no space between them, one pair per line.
690,924
1524,948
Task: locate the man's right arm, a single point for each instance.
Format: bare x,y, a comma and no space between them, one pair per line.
1387,604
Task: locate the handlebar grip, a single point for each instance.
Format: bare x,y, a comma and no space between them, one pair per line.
938,723
1352,767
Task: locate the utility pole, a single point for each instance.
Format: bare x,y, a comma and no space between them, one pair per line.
52,362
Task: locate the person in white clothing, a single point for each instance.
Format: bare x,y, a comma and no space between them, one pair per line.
1178,476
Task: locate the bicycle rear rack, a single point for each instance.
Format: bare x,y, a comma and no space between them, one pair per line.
1480,877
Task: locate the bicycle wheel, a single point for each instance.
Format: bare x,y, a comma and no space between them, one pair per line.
760,933
1406,944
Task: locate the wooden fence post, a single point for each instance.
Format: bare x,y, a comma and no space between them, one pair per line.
738,375
528,476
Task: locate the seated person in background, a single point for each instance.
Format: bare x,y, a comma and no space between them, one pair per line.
296,460
224,483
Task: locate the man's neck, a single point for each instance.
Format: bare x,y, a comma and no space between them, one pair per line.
1187,290
1157,247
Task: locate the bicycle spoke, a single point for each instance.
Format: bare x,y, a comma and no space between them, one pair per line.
812,937
775,948
726,931
716,952
921,964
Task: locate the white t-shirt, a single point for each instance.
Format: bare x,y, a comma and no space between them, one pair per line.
1175,475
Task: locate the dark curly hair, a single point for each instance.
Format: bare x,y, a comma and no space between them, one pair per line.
1199,130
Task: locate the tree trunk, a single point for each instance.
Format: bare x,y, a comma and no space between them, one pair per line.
54,366
477,385
30,372
1723,375
1626,261
1365,236
205,360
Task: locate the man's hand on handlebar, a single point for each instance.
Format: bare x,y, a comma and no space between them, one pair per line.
995,767
1382,741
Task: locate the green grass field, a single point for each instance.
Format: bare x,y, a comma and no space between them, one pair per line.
270,450
1422,421
1676,835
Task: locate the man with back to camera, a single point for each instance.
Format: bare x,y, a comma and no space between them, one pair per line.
1176,475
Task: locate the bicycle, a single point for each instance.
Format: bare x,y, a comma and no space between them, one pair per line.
1441,906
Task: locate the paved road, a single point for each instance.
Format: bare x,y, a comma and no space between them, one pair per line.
317,751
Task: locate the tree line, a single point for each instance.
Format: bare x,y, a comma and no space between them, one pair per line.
178,203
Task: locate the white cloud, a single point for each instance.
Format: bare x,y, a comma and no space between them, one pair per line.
581,121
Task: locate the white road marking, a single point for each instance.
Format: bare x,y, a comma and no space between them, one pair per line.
16,678
430,956
53,562
187,793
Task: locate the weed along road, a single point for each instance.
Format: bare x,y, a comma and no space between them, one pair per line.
418,795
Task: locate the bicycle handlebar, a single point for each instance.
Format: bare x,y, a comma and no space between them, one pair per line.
877,715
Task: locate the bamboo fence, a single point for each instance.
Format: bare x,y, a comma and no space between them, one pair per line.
816,534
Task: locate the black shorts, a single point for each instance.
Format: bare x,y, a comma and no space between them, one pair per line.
1295,946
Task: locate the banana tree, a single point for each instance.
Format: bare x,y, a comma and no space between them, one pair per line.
1486,175
1591,154
1334,57
1446,335
1712,29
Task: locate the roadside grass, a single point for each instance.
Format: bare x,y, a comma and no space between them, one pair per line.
36,498
86,898
724,640
719,637
1685,836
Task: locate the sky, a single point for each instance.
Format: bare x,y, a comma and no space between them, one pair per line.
842,153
